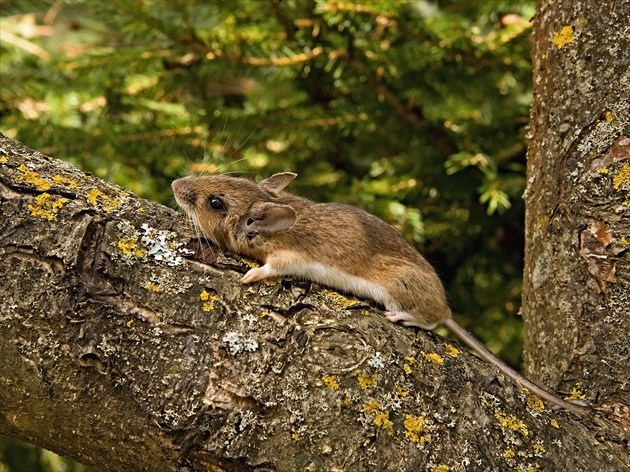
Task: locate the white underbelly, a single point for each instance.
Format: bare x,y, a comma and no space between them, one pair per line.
340,280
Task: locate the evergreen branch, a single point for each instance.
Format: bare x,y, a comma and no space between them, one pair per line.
406,112
22,43
282,61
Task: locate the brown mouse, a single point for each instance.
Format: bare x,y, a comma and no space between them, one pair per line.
334,244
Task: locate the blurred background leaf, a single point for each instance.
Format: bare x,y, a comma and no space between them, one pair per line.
416,111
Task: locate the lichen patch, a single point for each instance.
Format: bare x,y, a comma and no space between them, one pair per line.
563,37
46,206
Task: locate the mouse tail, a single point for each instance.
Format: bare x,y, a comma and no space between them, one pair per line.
488,356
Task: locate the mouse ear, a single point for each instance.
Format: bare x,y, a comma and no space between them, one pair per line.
277,182
268,218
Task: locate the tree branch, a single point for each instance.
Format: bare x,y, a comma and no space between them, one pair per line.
121,350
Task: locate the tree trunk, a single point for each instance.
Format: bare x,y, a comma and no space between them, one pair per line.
576,297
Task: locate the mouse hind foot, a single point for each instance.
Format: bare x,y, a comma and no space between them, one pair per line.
402,317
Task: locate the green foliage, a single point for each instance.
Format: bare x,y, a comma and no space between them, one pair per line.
415,111
16,456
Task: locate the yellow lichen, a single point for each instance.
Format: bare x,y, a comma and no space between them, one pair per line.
32,177
512,422
339,299
564,37
576,393
127,245
157,289
330,381
208,300
433,357
58,179
622,177
250,263
441,468
509,453
401,392
371,407
554,423
452,350
539,449
382,421
381,418
625,241
414,426
3,159
46,206
264,313
609,117
95,196
153,287
129,323
407,369
366,381
295,436
602,170
535,403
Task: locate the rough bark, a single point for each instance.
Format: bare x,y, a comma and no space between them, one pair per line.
576,302
122,351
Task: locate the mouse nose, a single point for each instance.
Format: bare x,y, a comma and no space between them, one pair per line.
184,193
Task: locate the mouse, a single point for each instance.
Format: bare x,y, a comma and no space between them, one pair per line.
333,244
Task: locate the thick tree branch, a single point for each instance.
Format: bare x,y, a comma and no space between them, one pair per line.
123,351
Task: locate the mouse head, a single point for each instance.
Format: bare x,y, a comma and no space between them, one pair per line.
229,210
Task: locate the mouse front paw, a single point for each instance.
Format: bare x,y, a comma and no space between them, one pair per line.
256,274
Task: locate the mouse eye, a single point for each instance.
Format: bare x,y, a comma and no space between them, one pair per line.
216,203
